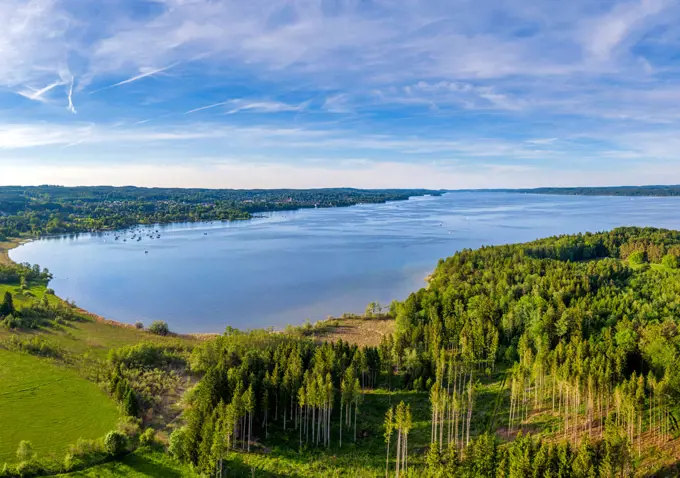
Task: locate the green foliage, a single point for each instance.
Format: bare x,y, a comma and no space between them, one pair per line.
7,305
114,442
25,451
130,405
670,261
23,273
149,354
178,446
54,209
148,437
637,257
143,463
159,327
36,345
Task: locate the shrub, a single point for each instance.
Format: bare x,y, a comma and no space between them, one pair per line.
159,327
148,354
11,322
27,468
178,444
71,461
49,291
139,325
25,451
148,437
114,442
130,405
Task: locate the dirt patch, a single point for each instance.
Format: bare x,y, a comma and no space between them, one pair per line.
363,332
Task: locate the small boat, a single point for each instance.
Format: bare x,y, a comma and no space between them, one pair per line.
146,252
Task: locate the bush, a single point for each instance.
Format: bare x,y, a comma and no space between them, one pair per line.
11,322
49,291
159,327
148,354
25,451
148,437
670,261
114,442
27,468
130,405
139,325
178,444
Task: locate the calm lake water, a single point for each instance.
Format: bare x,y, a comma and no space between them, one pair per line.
287,267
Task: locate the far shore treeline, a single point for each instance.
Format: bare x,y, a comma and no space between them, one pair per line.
37,210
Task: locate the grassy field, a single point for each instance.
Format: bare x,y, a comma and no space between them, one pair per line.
141,464
49,405
52,403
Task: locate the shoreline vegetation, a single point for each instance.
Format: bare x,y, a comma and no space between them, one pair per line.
43,210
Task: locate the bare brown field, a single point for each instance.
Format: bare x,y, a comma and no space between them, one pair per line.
368,332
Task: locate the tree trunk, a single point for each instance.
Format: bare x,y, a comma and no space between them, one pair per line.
398,451
340,422
387,460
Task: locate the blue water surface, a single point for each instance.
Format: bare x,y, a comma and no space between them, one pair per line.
287,267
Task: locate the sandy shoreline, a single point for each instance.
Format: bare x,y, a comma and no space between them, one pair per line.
8,245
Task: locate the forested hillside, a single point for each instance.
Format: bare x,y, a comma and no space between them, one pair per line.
39,210
572,339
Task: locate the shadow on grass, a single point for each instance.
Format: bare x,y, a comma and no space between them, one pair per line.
142,464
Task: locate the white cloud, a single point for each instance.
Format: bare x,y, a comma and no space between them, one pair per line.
450,79
605,33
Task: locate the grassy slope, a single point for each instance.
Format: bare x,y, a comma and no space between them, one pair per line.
48,405
140,464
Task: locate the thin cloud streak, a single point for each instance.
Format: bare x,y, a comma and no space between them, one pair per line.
38,95
135,78
71,108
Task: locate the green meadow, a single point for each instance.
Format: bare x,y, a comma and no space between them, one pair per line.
142,463
49,405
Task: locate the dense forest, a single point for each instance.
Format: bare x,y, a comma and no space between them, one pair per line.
583,328
56,209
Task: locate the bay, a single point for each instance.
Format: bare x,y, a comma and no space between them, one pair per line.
284,268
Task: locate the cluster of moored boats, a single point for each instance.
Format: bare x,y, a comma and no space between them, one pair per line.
137,235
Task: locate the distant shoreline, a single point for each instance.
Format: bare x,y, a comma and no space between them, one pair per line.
610,191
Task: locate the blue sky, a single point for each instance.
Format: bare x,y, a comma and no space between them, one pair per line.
364,93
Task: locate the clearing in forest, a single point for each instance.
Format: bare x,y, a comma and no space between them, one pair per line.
363,332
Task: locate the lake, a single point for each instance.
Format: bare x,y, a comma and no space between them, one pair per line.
287,267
